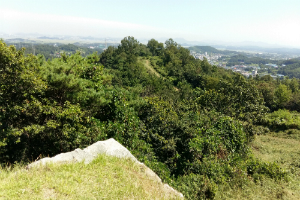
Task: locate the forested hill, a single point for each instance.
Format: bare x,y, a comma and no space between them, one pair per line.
291,68
209,49
189,121
238,59
50,51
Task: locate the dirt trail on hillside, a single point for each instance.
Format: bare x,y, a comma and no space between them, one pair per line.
150,68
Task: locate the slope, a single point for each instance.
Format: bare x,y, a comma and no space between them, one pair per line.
105,177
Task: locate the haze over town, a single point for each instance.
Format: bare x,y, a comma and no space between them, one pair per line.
234,22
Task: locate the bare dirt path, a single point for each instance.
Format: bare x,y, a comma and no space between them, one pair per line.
150,68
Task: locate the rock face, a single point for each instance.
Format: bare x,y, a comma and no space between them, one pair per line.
109,147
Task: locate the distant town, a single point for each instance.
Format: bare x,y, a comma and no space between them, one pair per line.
220,60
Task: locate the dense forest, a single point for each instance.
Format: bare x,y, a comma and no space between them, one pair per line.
238,59
189,121
291,68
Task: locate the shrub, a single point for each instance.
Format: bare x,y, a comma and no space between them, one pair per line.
195,186
282,120
258,169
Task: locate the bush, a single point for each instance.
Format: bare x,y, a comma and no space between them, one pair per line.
195,186
293,132
258,169
282,120
252,130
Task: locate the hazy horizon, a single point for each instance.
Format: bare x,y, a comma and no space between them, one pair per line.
232,21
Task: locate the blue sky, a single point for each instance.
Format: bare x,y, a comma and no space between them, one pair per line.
269,21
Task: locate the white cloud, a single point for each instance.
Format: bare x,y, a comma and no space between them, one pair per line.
284,29
278,30
17,21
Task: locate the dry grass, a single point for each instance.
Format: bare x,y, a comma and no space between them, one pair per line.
285,152
104,178
150,68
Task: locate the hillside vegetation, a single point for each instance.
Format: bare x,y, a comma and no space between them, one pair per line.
190,122
292,68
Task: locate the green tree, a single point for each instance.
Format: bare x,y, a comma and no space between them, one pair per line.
49,109
268,92
282,95
107,58
294,85
155,47
170,43
20,84
129,46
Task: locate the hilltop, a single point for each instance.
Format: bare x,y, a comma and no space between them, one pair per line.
194,124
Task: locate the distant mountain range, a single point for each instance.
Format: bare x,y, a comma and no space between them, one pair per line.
259,47
278,50
209,49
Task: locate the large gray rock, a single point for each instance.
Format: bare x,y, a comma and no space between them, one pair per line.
109,147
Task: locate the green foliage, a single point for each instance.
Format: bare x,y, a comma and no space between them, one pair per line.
293,132
242,59
194,186
258,170
267,90
225,137
20,82
238,99
190,122
155,47
292,68
252,130
129,47
47,109
282,120
282,95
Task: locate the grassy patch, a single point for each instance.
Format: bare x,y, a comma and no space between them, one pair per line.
265,189
283,120
285,152
288,134
104,178
268,148
150,69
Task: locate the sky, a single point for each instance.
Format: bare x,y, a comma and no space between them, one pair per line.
275,22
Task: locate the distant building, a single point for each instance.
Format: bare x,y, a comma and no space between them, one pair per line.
272,65
254,73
